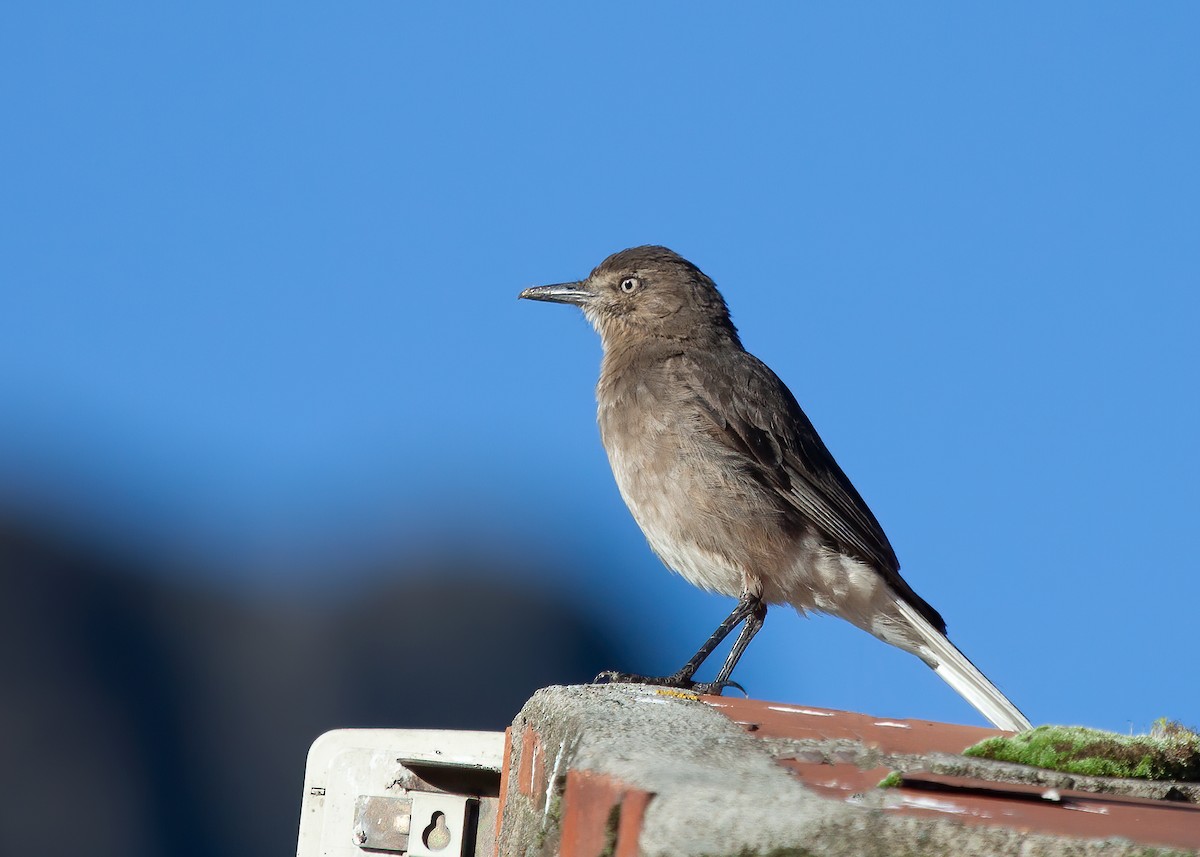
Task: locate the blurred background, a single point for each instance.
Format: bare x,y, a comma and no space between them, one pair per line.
280,451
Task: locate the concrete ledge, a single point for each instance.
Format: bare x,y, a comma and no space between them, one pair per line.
629,770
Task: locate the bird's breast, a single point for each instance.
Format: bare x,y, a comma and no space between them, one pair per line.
689,494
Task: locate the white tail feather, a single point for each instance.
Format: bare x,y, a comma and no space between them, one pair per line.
962,675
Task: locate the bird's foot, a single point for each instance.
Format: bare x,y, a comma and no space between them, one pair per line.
716,688
683,681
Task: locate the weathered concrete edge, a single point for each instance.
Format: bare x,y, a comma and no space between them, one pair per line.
718,791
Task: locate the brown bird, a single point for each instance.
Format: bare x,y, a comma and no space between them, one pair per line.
729,480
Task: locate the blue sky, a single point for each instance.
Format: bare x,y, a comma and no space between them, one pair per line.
258,268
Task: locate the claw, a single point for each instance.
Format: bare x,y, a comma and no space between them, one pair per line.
716,688
611,677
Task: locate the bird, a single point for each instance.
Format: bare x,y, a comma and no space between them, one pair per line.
729,481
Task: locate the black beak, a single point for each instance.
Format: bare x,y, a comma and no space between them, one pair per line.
559,293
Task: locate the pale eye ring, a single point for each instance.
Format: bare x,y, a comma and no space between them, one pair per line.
630,284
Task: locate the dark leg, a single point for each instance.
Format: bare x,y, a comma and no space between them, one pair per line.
750,609
753,623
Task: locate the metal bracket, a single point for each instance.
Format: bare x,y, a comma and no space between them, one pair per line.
401,792
420,825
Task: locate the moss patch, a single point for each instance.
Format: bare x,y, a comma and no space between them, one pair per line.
1170,752
891,781
611,826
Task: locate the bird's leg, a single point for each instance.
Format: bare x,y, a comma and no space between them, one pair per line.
747,606
749,609
754,622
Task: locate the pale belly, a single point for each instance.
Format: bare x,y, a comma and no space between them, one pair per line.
719,532
731,535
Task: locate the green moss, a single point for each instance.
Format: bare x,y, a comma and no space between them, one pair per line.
1170,752
612,825
553,818
891,781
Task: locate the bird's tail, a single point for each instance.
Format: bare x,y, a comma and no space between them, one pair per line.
962,675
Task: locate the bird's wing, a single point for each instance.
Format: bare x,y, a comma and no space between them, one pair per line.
759,417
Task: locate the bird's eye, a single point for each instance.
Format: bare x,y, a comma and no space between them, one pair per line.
629,284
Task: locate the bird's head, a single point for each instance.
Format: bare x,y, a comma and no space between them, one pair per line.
643,293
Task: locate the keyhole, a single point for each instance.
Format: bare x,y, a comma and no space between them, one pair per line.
437,835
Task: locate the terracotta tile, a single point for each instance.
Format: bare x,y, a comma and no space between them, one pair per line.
504,776
588,804
1059,811
633,814
1075,814
805,722
531,771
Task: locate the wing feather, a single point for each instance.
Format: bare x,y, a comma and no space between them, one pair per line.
758,416
790,457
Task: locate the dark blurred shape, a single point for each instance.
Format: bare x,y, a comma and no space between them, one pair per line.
145,714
